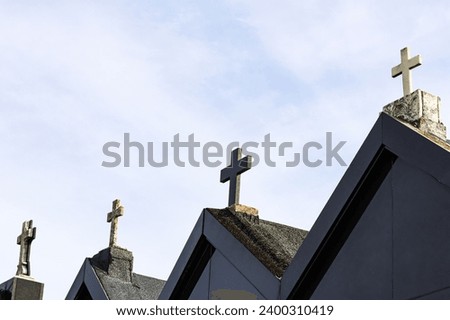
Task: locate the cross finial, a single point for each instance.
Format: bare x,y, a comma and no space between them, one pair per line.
233,173
404,68
113,217
24,240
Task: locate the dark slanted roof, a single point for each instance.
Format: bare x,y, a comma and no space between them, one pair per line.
260,250
389,143
271,243
6,290
140,288
109,275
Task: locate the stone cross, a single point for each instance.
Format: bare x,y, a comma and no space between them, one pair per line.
233,174
113,217
24,240
404,68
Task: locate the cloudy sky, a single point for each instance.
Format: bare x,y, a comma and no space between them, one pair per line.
75,75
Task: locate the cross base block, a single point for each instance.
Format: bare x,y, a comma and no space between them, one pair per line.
21,288
421,110
248,212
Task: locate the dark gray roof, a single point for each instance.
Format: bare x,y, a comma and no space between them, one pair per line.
141,287
109,275
390,148
6,290
271,243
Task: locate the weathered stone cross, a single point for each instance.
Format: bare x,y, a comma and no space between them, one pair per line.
233,173
404,68
24,240
113,217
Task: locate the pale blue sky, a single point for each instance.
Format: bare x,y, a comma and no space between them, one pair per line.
75,75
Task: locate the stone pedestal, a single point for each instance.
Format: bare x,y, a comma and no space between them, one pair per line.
420,109
116,261
247,212
21,288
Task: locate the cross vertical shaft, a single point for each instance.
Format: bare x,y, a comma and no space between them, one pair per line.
404,68
233,173
113,218
24,240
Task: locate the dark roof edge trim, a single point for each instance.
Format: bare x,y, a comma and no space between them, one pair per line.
194,268
181,266
87,276
344,224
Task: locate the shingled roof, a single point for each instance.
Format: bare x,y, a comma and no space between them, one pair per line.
271,243
109,275
258,249
140,288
